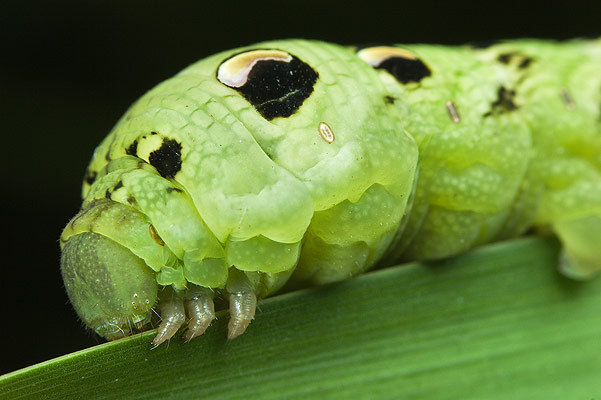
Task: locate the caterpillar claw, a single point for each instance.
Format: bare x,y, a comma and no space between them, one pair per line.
242,311
173,317
202,312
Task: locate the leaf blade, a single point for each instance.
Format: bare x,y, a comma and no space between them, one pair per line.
497,323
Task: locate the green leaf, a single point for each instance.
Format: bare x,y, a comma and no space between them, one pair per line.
498,323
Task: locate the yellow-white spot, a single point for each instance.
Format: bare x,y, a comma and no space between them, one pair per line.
453,112
375,56
326,132
234,71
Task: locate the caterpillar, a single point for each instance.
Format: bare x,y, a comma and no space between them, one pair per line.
293,163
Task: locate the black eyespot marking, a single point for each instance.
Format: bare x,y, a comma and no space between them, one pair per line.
90,176
167,159
274,82
132,150
389,99
505,102
405,70
400,63
173,189
154,133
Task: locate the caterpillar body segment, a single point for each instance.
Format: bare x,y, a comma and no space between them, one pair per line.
293,163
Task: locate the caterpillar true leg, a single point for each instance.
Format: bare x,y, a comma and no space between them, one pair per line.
173,316
242,311
201,311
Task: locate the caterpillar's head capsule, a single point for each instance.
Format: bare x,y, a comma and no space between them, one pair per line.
112,290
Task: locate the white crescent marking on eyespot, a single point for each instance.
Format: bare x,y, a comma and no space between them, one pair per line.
234,71
375,56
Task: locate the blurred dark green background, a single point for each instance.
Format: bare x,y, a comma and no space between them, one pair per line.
69,69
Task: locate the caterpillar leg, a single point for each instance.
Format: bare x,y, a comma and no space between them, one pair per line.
571,207
242,311
173,316
581,255
201,311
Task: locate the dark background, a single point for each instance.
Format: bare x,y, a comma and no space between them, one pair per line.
69,69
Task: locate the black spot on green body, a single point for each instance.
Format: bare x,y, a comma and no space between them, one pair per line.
132,150
520,59
525,63
173,189
278,88
505,58
167,159
505,102
90,176
405,70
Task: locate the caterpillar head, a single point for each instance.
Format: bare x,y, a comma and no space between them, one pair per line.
112,290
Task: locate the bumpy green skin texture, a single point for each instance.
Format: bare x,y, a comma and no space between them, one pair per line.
562,187
274,200
469,171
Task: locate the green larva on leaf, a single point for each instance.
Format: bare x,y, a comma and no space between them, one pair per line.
300,163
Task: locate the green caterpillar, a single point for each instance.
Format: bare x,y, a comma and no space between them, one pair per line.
300,163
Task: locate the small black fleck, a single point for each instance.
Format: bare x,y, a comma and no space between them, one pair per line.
154,133
90,176
107,194
525,63
131,200
389,99
118,186
505,58
174,189
505,102
405,70
522,60
132,150
167,159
